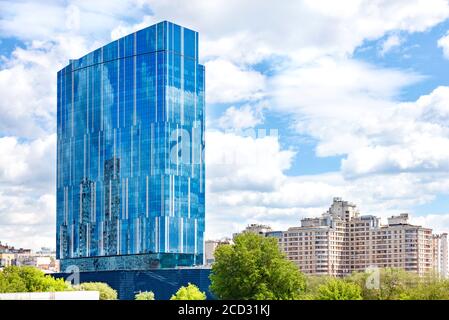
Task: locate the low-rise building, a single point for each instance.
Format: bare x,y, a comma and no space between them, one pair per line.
6,260
209,249
44,259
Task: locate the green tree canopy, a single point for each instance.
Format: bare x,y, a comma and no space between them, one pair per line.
145,295
338,289
254,268
106,292
429,287
190,292
29,279
393,283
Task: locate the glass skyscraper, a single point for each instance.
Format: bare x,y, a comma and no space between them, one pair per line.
130,154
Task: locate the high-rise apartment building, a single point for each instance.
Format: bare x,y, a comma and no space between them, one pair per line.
440,254
130,146
342,241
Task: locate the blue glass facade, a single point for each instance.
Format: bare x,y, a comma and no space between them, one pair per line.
130,153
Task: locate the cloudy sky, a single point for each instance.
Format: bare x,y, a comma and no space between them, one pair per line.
305,101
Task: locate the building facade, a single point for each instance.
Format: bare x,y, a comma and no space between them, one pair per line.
209,249
440,254
342,241
130,153
44,259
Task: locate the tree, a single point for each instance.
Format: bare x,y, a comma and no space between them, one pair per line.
29,279
430,287
106,292
338,289
145,295
393,284
191,292
254,268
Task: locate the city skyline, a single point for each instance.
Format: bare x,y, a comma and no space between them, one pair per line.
259,225
313,101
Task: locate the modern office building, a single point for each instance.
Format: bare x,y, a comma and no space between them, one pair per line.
130,154
342,241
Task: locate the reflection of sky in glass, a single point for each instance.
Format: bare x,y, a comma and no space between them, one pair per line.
119,191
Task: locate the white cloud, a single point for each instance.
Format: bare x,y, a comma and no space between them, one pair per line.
350,109
28,163
411,137
228,83
27,186
259,191
246,116
341,103
124,29
439,222
391,42
28,86
255,163
28,20
27,220
331,26
443,43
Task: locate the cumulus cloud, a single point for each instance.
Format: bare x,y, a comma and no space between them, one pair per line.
391,42
246,116
331,26
29,20
443,43
255,195
227,83
411,137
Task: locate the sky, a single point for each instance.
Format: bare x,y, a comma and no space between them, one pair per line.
306,101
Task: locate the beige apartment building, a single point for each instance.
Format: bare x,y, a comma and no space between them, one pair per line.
342,241
440,254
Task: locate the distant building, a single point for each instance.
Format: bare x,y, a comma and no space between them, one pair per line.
209,249
44,259
440,254
5,248
342,241
6,260
256,228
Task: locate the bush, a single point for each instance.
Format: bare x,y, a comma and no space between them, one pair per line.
29,279
106,292
145,295
191,292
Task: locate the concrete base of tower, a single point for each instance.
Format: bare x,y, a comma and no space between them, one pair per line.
149,261
162,282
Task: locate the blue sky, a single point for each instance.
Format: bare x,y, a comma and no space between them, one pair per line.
358,93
